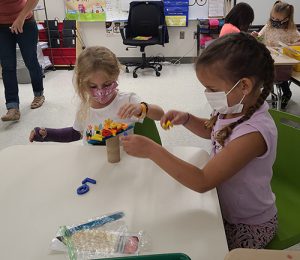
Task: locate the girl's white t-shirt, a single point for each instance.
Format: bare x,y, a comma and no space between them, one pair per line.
272,36
95,117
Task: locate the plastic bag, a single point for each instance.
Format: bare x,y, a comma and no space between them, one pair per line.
106,236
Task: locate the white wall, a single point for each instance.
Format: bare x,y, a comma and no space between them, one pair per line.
262,9
94,33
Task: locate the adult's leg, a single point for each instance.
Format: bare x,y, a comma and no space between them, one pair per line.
8,63
28,46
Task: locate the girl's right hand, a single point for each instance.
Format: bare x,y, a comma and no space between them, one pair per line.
254,34
37,134
175,117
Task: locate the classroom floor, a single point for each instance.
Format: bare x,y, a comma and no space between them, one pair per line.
176,88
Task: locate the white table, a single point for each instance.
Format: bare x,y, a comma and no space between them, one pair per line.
38,194
262,254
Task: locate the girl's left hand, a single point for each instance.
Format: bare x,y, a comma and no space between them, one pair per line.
17,26
137,145
128,110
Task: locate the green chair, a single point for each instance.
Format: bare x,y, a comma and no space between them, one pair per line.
148,128
286,180
170,256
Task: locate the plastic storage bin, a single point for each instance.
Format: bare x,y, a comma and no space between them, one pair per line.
294,55
171,256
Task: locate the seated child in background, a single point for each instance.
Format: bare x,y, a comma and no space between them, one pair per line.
238,19
96,74
281,27
237,73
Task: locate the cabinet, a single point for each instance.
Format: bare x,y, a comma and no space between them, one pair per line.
61,39
207,31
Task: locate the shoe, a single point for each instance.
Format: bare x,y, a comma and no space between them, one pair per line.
37,102
285,100
12,114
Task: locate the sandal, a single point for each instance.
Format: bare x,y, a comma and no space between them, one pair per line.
37,102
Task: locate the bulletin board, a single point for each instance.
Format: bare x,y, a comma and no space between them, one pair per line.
86,10
117,10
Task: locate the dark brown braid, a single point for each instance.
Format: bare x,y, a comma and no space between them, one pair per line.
239,56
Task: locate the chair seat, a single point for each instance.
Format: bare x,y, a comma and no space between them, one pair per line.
133,42
288,205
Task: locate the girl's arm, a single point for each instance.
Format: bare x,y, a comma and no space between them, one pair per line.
136,109
296,40
296,43
155,112
195,124
221,167
62,135
262,31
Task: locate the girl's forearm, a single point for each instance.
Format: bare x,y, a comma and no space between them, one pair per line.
196,125
185,173
155,112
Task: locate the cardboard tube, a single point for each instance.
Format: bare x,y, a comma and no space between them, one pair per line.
113,149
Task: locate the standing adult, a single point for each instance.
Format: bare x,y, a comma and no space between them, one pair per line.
17,26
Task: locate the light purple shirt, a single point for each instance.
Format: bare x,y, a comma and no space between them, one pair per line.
247,196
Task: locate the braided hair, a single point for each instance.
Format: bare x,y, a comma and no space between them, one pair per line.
238,56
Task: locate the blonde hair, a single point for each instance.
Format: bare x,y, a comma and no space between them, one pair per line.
288,10
92,60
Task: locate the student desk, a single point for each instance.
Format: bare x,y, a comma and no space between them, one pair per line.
295,78
38,194
262,254
282,60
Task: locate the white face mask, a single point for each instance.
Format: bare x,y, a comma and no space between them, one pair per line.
218,102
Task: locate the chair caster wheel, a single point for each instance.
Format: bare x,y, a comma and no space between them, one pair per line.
135,75
127,70
159,68
157,74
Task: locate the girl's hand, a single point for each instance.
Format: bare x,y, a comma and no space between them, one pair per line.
254,34
137,145
175,117
37,134
17,26
128,110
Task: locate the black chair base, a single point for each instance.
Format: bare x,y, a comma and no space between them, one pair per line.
157,67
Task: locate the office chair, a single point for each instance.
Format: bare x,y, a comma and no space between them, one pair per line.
146,19
286,180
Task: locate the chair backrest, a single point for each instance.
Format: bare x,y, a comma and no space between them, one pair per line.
145,18
286,166
286,180
148,128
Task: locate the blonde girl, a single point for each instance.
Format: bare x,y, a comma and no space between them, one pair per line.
96,81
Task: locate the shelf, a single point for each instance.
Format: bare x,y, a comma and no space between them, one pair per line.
60,55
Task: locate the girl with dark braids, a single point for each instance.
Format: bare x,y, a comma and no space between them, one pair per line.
237,72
